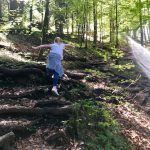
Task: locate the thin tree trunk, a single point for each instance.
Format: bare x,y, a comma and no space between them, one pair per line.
141,22
31,14
110,20
101,23
0,10
86,24
21,7
148,21
59,18
134,34
83,25
116,2
45,27
67,19
72,26
95,21
12,8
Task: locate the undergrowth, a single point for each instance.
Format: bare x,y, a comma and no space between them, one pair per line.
94,124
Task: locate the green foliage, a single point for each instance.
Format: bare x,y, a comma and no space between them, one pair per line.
95,126
95,72
36,34
117,52
122,67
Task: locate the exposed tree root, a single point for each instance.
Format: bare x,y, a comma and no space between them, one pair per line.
52,103
20,72
6,141
21,110
17,126
36,93
75,75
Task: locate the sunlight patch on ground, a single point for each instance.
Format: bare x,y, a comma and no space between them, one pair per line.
5,54
94,85
4,41
14,122
12,56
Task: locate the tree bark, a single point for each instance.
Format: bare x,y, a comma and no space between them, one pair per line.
148,10
36,94
95,21
1,10
75,75
31,15
54,136
51,103
20,72
141,22
18,127
12,8
59,18
111,25
117,26
6,141
21,7
72,23
45,27
101,24
21,110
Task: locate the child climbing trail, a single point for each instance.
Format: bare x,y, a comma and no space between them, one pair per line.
54,62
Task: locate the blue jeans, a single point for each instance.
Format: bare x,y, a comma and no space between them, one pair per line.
53,81
56,78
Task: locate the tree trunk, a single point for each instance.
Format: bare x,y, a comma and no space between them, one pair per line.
141,22
12,9
111,25
45,27
116,5
31,15
78,27
135,33
6,141
148,21
67,19
101,24
86,23
1,10
21,7
72,25
95,21
59,18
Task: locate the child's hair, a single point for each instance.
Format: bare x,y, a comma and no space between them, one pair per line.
57,40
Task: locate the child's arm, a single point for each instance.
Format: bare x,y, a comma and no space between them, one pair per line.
41,46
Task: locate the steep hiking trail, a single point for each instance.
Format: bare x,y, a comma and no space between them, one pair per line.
41,121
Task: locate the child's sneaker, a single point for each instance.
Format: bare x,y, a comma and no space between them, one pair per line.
54,89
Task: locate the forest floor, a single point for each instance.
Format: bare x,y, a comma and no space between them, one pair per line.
38,118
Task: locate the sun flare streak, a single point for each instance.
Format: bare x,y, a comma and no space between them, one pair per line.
141,55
